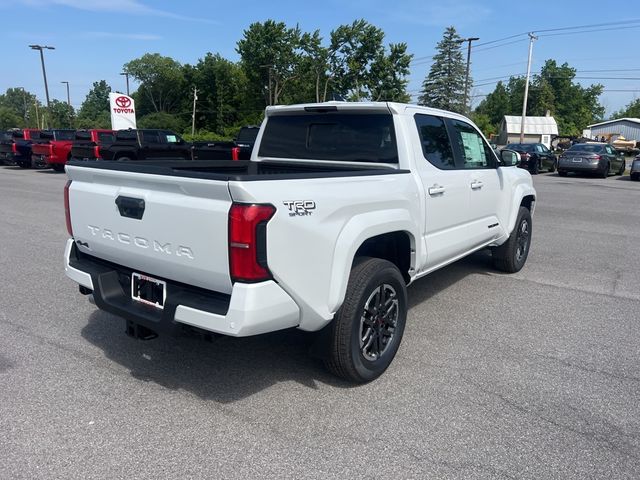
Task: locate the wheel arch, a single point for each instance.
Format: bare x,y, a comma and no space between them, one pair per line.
390,235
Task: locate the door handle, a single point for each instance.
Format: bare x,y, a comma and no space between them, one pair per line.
475,185
435,190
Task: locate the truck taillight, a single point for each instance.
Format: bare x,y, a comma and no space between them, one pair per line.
14,148
96,152
50,149
235,153
67,213
248,242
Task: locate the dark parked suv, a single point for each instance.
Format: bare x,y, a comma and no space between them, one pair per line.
599,158
534,157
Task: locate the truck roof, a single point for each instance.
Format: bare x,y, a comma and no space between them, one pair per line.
380,107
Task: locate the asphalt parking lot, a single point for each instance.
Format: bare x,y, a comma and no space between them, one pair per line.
533,375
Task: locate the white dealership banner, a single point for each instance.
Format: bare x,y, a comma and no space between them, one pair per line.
123,113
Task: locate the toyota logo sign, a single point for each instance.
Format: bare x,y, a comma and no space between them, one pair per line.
123,102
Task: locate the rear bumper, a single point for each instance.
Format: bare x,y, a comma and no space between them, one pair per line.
570,166
251,309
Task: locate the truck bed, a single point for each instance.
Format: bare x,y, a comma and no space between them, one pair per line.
239,170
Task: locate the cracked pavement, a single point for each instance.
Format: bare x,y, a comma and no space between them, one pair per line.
533,375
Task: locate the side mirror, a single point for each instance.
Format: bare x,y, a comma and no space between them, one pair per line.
509,158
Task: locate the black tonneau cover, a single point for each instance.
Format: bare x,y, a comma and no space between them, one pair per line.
239,170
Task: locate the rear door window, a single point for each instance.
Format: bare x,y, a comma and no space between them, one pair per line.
436,145
347,137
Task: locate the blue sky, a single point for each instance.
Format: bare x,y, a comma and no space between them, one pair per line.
94,38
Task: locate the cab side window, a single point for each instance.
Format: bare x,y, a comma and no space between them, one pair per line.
473,151
436,145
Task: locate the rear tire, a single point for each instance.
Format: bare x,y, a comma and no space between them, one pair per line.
623,167
24,164
511,256
635,176
605,172
552,168
367,329
123,159
535,168
562,174
58,167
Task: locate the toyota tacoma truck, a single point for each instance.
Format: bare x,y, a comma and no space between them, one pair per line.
239,149
52,148
15,146
86,144
341,206
145,144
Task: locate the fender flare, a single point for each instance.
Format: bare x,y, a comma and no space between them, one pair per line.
353,235
519,193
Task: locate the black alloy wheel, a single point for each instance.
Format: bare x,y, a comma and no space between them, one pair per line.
378,322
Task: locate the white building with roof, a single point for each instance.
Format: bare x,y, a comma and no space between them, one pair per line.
536,129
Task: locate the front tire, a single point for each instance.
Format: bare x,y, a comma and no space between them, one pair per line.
367,329
511,256
635,176
562,173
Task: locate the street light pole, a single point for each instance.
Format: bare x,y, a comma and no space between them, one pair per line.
44,71
127,77
68,97
193,115
466,81
532,37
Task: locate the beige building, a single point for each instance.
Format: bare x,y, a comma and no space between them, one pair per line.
536,130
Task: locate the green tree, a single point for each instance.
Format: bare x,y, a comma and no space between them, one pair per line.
361,66
270,55
22,104
162,84
94,111
495,105
59,115
222,93
632,110
444,85
9,118
162,120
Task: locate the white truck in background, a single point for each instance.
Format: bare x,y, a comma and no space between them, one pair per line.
341,206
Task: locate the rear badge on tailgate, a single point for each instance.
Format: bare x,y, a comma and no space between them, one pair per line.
148,290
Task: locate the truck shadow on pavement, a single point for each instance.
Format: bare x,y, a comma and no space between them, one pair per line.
229,369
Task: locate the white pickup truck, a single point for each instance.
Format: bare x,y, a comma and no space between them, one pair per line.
341,206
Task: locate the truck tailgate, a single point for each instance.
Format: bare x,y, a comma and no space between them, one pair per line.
181,235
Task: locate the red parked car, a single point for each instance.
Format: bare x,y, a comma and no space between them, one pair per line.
15,146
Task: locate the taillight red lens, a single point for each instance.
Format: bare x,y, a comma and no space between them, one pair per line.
235,153
248,242
67,213
597,157
96,151
14,148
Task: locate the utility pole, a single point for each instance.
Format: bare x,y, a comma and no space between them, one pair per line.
193,115
26,109
44,72
269,66
466,81
532,37
68,97
126,75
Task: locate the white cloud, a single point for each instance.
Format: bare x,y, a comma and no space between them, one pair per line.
134,7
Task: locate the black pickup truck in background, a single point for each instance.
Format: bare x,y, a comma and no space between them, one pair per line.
143,144
15,146
238,149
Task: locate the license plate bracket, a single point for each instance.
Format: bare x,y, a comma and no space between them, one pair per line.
148,290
